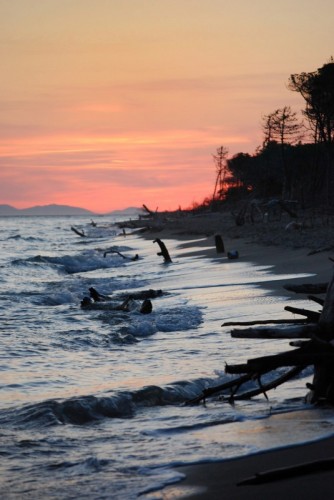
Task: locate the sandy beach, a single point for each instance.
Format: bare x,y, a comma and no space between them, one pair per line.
305,250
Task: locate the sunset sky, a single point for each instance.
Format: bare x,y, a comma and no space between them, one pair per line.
107,104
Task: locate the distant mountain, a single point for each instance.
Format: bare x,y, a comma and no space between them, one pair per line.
44,210
127,211
8,210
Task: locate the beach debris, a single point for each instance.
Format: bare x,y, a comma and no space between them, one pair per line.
264,322
220,248
318,300
235,384
317,350
146,294
78,231
150,212
292,332
97,300
97,296
111,250
302,469
128,305
233,254
146,307
310,315
164,251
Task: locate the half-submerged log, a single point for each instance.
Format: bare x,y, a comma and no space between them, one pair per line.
210,391
263,388
235,385
318,300
78,232
136,257
164,251
310,315
293,332
302,469
310,354
265,322
114,251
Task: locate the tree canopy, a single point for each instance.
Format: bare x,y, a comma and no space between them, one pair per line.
283,166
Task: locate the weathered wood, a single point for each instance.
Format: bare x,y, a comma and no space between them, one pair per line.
263,388
164,251
311,354
209,391
302,469
314,288
146,307
78,232
293,332
150,212
318,300
114,251
310,315
265,322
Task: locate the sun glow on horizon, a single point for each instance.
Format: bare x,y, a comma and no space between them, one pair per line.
125,103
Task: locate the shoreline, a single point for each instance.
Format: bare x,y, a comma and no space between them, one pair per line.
217,480
220,479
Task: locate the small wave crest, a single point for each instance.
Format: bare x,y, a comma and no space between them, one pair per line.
89,260
87,409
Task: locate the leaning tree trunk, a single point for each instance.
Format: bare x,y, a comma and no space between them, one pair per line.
323,380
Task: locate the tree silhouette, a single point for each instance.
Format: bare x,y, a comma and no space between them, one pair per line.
317,89
283,127
221,170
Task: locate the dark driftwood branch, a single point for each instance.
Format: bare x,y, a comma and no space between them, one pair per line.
312,353
209,391
78,232
310,315
318,300
114,251
271,385
289,472
150,212
304,331
238,382
265,322
164,251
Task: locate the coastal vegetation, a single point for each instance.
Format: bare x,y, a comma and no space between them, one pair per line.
296,158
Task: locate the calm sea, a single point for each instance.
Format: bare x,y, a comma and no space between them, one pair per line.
92,400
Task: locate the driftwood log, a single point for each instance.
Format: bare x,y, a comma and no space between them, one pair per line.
163,250
78,232
316,351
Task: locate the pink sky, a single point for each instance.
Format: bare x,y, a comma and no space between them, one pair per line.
109,104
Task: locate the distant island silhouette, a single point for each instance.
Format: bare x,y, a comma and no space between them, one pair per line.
53,209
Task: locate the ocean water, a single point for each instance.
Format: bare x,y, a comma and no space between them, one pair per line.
92,400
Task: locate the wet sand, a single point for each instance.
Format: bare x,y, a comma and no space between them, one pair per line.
287,252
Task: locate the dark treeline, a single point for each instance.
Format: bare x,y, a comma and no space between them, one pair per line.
296,159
